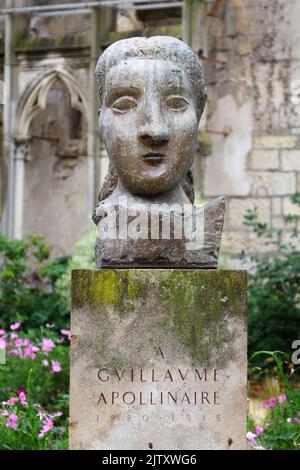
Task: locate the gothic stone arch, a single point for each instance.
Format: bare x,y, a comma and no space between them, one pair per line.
33,100
34,97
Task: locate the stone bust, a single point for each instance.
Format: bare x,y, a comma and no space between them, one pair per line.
152,96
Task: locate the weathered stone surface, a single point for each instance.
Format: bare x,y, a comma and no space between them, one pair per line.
148,341
235,241
159,234
290,238
298,182
264,160
272,183
276,206
289,207
290,160
279,223
225,168
275,141
238,207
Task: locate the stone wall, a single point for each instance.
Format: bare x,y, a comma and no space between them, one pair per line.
53,185
1,108
254,66
55,190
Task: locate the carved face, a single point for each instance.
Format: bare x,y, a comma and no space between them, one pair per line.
149,123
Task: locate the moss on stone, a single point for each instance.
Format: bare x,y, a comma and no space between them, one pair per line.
193,306
204,142
35,43
166,30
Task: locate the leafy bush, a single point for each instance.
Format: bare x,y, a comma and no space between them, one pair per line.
83,258
27,283
274,288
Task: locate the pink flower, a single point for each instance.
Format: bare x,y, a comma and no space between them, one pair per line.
21,389
5,413
57,413
258,430
66,333
45,363
296,420
251,438
13,335
289,420
23,400
50,325
47,426
60,340
55,366
12,400
15,326
281,399
2,332
269,403
47,345
2,343
30,351
12,421
17,352
18,343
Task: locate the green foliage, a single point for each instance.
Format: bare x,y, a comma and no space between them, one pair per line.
27,283
282,424
29,368
83,258
14,375
46,388
26,437
36,292
274,287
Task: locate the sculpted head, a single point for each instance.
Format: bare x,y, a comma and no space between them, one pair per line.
152,96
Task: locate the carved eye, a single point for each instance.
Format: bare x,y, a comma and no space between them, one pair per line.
176,103
124,104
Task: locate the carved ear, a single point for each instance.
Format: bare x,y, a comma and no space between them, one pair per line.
187,184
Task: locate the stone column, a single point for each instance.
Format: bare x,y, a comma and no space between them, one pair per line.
15,24
194,25
21,155
102,21
194,31
158,359
9,112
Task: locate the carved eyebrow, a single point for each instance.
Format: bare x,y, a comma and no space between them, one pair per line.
116,91
173,88
113,87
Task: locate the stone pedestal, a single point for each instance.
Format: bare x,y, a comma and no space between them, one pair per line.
158,359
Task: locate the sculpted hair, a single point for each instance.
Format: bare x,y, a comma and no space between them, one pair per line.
156,47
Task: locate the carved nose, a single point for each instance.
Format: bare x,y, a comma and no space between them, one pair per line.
153,134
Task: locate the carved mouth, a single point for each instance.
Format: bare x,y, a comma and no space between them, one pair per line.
153,158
